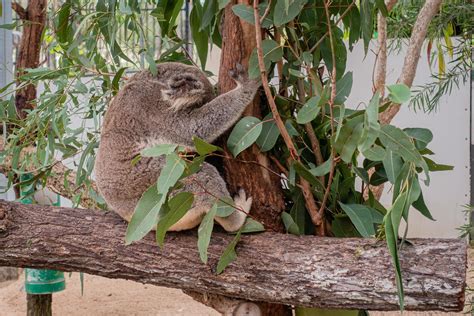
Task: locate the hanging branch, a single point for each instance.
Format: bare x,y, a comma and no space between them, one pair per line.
316,216
427,12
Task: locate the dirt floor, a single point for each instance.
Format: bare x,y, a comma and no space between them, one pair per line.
119,297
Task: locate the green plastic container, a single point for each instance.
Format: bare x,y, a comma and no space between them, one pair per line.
40,281
44,281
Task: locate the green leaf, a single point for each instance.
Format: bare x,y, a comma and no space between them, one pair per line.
204,233
228,255
392,237
322,169
223,3
272,52
298,210
225,207
63,19
375,153
343,88
158,150
305,174
348,139
203,148
150,59
422,136
371,124
145,216
363,217
392,164
399,93
397,141
367,23
118,75
309,111
420,205
398,209
8,26
252,226
170,174
244,134
290,224
200,37
433,166
245,12
269,135
282,16
177,208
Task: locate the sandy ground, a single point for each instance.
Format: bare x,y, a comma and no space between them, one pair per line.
120,297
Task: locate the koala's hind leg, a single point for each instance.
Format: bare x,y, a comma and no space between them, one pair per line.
209,179
235,220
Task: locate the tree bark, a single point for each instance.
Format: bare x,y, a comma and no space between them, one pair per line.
39,305
238,42
311,271
34,19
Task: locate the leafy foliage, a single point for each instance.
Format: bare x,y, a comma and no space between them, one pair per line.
95,47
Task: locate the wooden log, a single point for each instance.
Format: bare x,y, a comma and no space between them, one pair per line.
351,273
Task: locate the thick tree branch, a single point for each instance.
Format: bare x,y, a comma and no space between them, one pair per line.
298,270
427,12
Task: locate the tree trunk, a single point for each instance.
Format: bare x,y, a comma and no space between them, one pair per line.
28,56
351,273
39,305
34,19
238,41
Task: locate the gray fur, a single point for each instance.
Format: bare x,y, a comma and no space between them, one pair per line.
171,107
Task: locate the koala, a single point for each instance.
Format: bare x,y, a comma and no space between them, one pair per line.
169,108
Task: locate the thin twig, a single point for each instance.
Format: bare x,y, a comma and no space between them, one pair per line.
331,106
309,198
315,146
337,22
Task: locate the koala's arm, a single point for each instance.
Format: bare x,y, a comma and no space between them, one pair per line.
215,117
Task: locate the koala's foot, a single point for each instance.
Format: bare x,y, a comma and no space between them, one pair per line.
234,221
241,201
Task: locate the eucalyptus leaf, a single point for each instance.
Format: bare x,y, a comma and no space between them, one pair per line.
177,208
204,233
158,150
309,111
269,135
363,217
322,169
399,93
228,255
244,134
422,136
284,15
252,226
392,164
145,216
225,207
203,148
171,173
290,224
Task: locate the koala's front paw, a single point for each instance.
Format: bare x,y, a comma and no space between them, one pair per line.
239,74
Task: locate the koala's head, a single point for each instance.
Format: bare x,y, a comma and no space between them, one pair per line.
186,86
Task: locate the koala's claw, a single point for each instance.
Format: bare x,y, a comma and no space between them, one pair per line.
242,201
239,73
